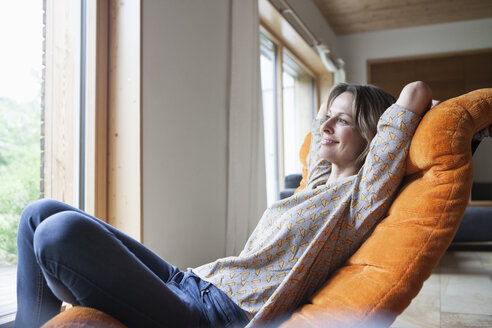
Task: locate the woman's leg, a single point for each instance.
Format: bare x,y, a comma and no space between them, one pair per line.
35,302
87,262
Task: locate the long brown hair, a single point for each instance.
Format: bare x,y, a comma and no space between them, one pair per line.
369,104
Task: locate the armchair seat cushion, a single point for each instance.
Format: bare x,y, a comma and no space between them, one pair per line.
83,317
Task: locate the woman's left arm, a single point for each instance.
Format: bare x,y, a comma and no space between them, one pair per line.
416,97
383,171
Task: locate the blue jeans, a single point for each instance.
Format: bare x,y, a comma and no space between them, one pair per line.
68,255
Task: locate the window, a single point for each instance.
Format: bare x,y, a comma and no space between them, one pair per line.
288,92
62,130
43,111
298,110
268,52
294,81
21,35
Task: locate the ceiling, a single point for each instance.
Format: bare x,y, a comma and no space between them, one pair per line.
356,16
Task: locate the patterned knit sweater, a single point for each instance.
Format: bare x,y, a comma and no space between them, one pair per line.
301,240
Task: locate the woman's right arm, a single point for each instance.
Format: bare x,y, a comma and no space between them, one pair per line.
323,109
318,168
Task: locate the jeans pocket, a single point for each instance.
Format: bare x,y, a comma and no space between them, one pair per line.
175,287
228,312
216,315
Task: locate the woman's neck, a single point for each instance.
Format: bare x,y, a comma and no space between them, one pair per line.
338,173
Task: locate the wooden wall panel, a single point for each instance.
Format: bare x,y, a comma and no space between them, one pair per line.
449,75
124,138
390,77
478,71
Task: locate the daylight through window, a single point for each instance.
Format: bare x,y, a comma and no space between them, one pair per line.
288,93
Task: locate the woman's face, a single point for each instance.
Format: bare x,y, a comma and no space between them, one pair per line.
341,142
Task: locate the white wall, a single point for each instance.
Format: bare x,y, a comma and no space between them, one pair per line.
185,73
185,58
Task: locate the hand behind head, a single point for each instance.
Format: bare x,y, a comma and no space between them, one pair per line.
416,97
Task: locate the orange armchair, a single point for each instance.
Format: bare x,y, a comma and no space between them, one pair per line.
379,281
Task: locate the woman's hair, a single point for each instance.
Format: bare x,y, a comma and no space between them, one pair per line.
369,104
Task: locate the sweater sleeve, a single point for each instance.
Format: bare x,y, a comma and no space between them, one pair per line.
318,168
378,180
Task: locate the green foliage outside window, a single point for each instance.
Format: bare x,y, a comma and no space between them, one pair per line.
20,163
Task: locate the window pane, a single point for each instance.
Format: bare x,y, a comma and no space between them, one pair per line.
298,104
268,85
21,35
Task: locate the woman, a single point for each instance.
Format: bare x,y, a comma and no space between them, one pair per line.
65,254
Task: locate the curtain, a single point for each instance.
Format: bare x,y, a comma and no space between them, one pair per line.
246,181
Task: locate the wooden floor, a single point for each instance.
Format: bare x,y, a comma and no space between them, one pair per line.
457,294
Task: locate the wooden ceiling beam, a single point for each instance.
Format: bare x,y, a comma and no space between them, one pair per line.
356,16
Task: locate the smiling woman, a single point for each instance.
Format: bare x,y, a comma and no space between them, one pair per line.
354,111
341,141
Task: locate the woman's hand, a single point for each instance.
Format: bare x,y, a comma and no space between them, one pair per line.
416,96
322,110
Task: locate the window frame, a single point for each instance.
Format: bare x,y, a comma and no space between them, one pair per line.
60,83
112,165
96,158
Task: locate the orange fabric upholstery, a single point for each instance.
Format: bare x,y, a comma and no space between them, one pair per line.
83,317
379,281
303,153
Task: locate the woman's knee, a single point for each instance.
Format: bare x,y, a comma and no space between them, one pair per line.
68,239
60,233
32,215
38,210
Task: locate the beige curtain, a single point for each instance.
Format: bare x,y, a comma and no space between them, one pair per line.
246,164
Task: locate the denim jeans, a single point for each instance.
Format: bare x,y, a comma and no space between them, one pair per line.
68,255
